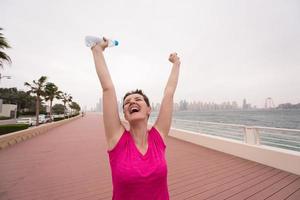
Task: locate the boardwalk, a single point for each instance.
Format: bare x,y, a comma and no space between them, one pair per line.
70,162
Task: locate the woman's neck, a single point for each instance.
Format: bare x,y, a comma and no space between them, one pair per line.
139,133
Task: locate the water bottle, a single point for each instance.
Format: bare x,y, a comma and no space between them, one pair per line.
91,41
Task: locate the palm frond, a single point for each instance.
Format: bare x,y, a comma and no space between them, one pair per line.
42,79
27,84
3,56
3,42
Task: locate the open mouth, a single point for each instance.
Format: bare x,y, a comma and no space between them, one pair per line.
134,109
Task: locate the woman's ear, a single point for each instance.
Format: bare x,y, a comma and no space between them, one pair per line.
124,115
149,110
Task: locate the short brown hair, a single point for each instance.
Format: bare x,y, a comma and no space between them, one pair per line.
137,91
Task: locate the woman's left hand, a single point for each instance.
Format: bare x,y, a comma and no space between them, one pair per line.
173,58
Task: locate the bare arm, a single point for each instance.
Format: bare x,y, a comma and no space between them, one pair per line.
112,123
164,119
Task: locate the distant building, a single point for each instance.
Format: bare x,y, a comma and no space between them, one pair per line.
157,107
99,106
198,105
246,105
153,106
235,105
176,106
8,110
269,103
289,106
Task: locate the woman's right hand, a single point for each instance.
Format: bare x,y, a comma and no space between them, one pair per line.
102,45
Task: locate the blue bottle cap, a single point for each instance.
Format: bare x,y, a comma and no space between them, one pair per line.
116,43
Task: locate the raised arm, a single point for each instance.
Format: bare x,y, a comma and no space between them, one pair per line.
112,123
164,119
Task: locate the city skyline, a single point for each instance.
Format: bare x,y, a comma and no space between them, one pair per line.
229,50
200,105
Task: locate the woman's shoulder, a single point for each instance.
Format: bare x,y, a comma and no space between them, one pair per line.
158,135
115,141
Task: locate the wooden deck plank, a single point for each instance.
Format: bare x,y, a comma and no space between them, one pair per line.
287,191
210,179
232,189
259,186
71,162
273,188
211,187
295,195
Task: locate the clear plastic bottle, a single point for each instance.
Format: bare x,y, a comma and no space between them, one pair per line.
91,41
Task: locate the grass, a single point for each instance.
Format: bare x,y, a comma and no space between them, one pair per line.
9,128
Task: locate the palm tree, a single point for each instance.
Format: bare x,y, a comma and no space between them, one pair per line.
75,106
3,56
65,99
37,88
51,92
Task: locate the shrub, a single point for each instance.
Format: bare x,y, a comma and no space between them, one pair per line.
4,118
8,128
58,119
74,115
66,117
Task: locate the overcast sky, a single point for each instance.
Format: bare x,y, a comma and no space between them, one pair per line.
229,50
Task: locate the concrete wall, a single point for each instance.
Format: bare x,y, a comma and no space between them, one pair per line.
6,110
286,160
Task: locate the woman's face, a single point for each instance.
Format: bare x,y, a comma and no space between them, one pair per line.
135,108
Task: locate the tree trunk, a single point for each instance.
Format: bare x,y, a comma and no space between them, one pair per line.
50,111
37,111
64,109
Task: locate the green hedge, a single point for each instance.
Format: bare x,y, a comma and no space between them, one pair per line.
8,128
4,118
58,119
74,115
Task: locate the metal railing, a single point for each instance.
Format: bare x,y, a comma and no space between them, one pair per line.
255,135
279,137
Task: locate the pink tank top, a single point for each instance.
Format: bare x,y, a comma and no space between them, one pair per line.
136,176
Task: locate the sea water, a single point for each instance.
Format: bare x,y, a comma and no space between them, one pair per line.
285,119
270,118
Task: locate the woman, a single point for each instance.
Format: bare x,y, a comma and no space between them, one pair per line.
137,155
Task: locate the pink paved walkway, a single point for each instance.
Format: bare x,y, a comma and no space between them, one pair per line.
70,162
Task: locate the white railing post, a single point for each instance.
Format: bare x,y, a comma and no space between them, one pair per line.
251,135
256,134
